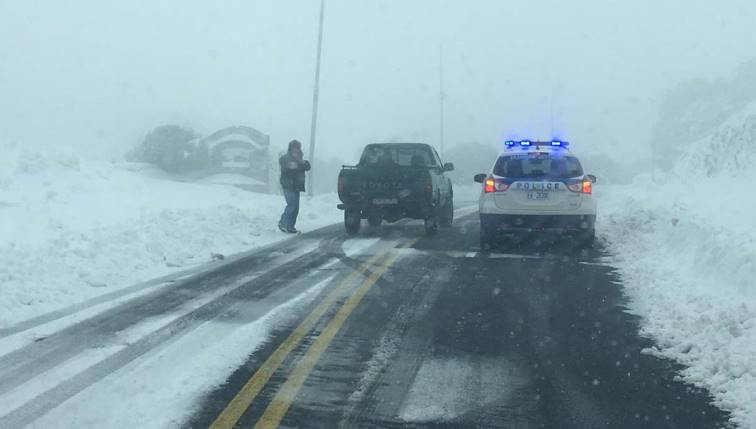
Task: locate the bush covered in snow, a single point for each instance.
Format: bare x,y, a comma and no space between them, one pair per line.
171,148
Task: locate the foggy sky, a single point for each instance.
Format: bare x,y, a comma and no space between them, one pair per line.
97,75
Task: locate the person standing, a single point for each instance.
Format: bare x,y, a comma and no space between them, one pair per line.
293,168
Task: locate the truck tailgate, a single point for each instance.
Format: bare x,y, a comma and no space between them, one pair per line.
384,186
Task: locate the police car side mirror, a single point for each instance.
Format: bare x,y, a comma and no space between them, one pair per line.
448,166
479,178
591,177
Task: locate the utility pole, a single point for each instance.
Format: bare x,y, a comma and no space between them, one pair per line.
441,97
314,123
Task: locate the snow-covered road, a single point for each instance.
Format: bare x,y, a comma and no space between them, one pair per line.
156,353
437,329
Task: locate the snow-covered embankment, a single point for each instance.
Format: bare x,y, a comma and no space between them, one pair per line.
685,245
72,229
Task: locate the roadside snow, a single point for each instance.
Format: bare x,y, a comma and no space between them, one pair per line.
72,229
230,179
686,250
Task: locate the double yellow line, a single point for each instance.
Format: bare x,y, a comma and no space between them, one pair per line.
280,404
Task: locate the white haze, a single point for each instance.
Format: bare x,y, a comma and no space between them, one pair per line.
97,75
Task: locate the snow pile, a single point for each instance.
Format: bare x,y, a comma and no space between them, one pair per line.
730,151
687,252
230,179
71,229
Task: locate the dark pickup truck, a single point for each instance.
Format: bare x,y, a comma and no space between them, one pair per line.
394,181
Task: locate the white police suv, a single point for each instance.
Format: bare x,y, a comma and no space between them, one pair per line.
536,186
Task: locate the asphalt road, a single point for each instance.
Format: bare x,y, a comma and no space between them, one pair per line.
419,332
403,331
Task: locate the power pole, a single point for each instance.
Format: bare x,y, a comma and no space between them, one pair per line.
314,123
441,97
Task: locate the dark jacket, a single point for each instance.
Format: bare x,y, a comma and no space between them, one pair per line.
293,173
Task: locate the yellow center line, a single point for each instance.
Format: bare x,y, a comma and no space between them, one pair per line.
234,410
276,410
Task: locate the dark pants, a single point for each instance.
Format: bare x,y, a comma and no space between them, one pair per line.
289,216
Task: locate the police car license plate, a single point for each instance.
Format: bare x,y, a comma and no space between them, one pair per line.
538,195
385,201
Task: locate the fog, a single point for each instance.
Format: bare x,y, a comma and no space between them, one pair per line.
98,75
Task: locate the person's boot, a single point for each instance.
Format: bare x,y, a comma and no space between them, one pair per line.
292,230
282,227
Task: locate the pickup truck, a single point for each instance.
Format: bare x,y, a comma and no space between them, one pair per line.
395,181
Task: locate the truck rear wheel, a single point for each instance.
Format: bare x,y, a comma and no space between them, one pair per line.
485,242
447,215
431,224
352,221
374,221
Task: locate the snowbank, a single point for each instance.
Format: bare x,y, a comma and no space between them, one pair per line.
230,179
687,252
71,229
729,151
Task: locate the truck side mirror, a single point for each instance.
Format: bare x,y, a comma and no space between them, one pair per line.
479,178
448,166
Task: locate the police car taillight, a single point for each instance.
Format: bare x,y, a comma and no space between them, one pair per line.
489,186
587,186
584,186
493,185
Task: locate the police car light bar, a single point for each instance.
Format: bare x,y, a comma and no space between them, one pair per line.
527,143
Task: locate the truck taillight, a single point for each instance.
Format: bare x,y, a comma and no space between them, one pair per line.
493,185
429,186
341,184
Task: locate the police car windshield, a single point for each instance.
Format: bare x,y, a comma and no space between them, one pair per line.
541,166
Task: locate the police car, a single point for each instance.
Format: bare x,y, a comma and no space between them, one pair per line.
536,186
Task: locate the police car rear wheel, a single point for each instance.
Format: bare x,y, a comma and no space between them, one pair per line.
586,239
486,242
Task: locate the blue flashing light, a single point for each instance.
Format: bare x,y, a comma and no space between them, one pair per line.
559,143
511,144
